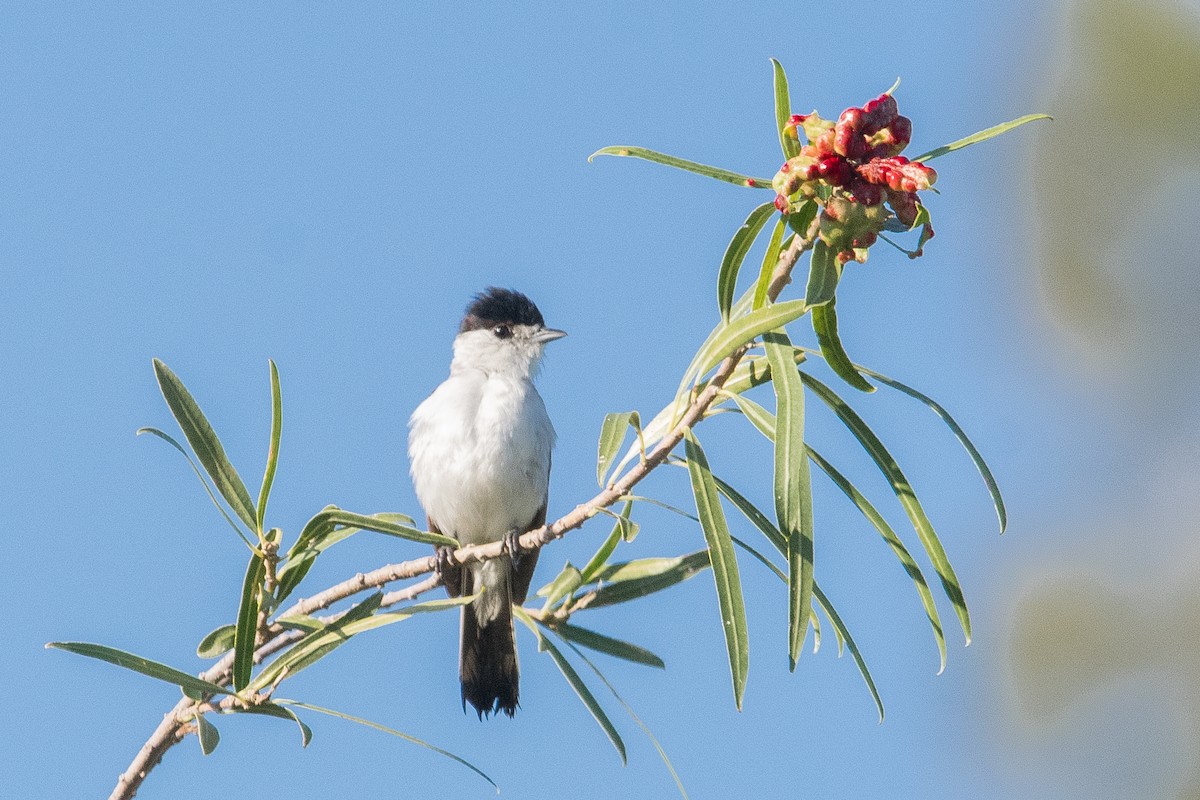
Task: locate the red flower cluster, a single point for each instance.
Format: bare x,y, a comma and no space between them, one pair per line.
856,159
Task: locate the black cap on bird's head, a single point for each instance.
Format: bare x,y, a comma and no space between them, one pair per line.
493,307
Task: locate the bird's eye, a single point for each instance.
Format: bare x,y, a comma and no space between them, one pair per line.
502,331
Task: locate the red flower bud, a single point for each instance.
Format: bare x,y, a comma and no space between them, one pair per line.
901,130
824,144
867,194
782,203
898,173
866,240
835,170
906,205
880,113
845,257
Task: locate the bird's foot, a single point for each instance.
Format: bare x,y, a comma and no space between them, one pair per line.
512,545
448,569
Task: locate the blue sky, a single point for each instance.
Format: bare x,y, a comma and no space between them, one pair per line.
326,186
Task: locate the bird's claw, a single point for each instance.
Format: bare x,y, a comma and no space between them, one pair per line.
448,569
512,545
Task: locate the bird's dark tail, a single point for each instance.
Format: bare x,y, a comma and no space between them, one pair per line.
487,663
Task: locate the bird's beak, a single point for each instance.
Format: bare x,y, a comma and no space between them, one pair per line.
548,335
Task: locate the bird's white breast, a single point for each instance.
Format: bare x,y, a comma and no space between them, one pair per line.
479,448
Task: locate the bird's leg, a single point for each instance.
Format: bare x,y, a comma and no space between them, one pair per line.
512,546
446,567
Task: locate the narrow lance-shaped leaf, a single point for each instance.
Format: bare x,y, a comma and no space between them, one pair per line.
783,111
735,254
207,734
612,433
606,644
217,642
843,634
976,457
200,476
765,422
824,319
621,583
769,262
281,712
776,537
391,732
205,444
565,584
600,559
272,449
629,710
319,534
680,163
316,645
823,275
337,516
981,136
247,623
893,541
145,666
793,488
724,564
740,331
904,493
577,685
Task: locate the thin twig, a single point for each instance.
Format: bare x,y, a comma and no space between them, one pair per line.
275,636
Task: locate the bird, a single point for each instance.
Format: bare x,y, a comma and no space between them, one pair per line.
480,453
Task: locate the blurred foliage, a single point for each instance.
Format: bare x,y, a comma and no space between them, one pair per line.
1117,234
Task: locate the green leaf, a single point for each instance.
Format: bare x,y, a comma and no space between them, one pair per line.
735,254
843,634
976,457
281,712
600,559
633,579
773,535
205,444
793,488
904,493
783,111
769,262
679,163
981,136
247,623
629,710
207,734
200,475
765,422
316,645
801,219
580,688
217,642
824,319
564,584
324,521
724,563
605,644
756,517
144,666
273,449
740,331
612,433
893,541
823,275
322,531
392,732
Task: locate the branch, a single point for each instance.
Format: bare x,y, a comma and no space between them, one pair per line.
275,637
